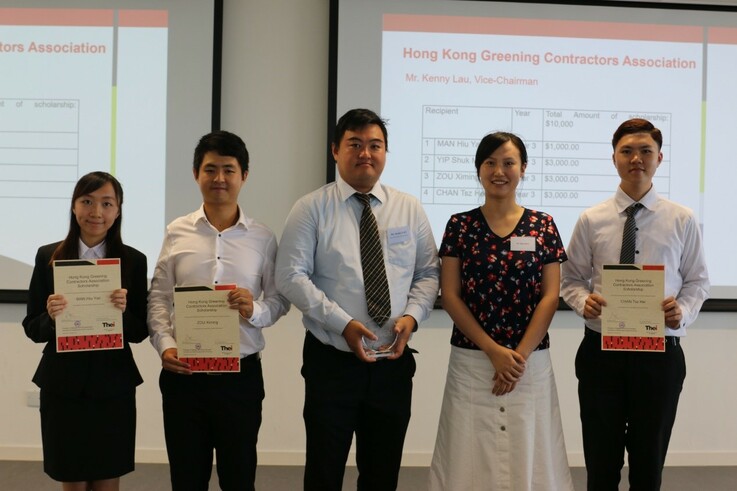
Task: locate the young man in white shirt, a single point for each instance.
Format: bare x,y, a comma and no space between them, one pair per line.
217,244
629,399
319,269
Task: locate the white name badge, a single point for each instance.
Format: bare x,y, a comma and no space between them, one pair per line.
523,244
398,235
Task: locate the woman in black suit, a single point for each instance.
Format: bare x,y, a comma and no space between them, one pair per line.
88,405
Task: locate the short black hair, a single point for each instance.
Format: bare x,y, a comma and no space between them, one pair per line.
637,125
224,143
356,119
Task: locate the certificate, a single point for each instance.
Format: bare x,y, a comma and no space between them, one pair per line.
632,319
90,321
207,329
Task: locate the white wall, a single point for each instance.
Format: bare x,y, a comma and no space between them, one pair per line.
275,96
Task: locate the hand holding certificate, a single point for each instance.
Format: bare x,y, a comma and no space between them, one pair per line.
91,321
632,319
207,329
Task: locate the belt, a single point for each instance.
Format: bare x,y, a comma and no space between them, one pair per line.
672,340
252,357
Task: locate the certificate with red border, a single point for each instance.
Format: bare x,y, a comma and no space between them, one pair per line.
207,330
90,321
632,319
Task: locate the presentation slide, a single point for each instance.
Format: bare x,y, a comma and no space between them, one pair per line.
563,83
86,89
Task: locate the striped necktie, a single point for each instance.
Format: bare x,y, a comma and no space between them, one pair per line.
372,263
629,235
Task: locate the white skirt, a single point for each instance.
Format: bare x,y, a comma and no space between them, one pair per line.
512,442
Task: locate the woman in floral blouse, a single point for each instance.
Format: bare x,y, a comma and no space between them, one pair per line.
500,425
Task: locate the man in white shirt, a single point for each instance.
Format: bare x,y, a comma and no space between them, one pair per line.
629,399
215,245
348,389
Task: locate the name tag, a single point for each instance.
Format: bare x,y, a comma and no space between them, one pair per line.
524,244
397,235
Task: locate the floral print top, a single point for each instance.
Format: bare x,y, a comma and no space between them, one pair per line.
501,284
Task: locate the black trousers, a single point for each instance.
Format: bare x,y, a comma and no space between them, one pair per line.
628,401
343,396
205,413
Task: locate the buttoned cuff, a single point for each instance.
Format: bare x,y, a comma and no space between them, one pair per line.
257,311
417,312
337,321
166,343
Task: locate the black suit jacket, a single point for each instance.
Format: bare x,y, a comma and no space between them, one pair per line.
102,373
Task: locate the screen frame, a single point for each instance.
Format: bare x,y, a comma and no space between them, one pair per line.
712,304
20,296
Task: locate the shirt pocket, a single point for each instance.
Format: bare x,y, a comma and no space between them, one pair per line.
402,253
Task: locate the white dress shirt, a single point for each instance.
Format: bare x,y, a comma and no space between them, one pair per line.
667,233
195,253
319,262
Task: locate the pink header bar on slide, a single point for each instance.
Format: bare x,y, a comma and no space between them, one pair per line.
143,18
722,35
83,17
56,17
549,28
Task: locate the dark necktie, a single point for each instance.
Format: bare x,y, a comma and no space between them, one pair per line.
629,235
372,263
